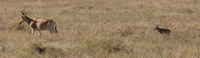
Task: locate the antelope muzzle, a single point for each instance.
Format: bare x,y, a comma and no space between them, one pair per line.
20,23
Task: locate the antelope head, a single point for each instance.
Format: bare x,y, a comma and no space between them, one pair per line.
22,18
156,27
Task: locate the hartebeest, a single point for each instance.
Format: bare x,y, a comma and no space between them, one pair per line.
39,24
161,30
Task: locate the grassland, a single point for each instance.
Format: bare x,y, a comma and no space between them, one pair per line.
102,29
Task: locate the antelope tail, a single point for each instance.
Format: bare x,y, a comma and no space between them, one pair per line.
55,28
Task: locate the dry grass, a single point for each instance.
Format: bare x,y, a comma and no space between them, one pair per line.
102,29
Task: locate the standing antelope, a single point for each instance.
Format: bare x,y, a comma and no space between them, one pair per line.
39,24
162,31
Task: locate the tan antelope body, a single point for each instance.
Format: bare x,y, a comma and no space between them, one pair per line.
162,31
39,24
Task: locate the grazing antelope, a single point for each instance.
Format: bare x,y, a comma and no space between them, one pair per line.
162,31
39,24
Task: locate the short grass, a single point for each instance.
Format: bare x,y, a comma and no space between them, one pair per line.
102,29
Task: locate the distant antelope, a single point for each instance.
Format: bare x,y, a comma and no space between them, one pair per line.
162,31
39,24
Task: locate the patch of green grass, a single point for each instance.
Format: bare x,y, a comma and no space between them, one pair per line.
63,12
107,9
188,10
94,44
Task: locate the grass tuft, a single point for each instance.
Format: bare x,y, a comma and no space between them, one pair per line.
47,51
127,30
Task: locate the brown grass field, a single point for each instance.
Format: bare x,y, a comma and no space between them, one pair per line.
102,29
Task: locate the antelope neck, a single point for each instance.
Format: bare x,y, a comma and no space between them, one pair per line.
157,28
28,20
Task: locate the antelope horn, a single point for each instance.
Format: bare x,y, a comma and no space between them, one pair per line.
157,25
23,12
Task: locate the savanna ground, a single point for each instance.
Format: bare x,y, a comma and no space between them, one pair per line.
102,29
